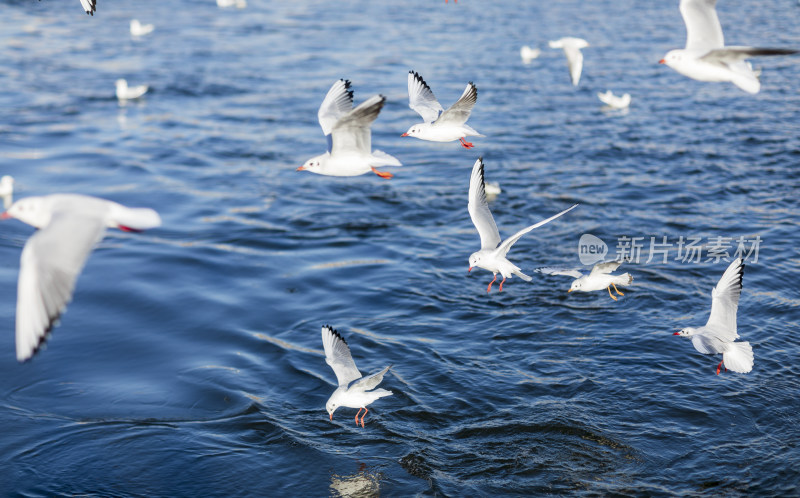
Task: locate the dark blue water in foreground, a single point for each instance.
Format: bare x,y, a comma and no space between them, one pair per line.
190,361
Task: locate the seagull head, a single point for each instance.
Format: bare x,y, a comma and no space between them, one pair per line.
474,260
314,164
332,404
413,131
30,210
688,331
576,285
672,57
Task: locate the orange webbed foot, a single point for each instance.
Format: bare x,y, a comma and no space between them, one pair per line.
489,289
383,174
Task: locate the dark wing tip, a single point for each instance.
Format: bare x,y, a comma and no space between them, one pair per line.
474,91
347,89
335,333
41,341
381,102
482,185
420,80
741,275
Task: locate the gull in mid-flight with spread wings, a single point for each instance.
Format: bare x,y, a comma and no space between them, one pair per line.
439,125
598,279
706,58
719,333
70,225
349,136
354,391
492,255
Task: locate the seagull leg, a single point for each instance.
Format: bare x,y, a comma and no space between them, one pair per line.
501,284
362,416
382,174
489,289
617,290
359,411
467,145
610,294
720,366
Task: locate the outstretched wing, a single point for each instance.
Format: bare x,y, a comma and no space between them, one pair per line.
337,355
569,272
421,98
371,381
458,113
725,302
730,55
606,267
506,245
575,63
479,208
352,131
703,30
51,261
337,103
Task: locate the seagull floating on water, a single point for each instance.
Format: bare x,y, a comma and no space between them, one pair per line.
572,49
139,29
719,333
528,54
492,256
125,92
598,279
439,125
349,136
239,4
613,101
70,225
354,391
706,58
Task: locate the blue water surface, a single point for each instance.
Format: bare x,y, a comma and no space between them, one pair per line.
190,362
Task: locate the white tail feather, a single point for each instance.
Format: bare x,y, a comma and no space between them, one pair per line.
135,218
738,357
380,158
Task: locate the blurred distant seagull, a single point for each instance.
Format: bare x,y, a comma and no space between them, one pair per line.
125,92
492,256
239,4
439,125
614,101
139,29
528,54
349,136
7,190
598,279
354,391
719,333
572,49
706,58
492,189
69,226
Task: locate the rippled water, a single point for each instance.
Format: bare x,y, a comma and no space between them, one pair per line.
190,361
